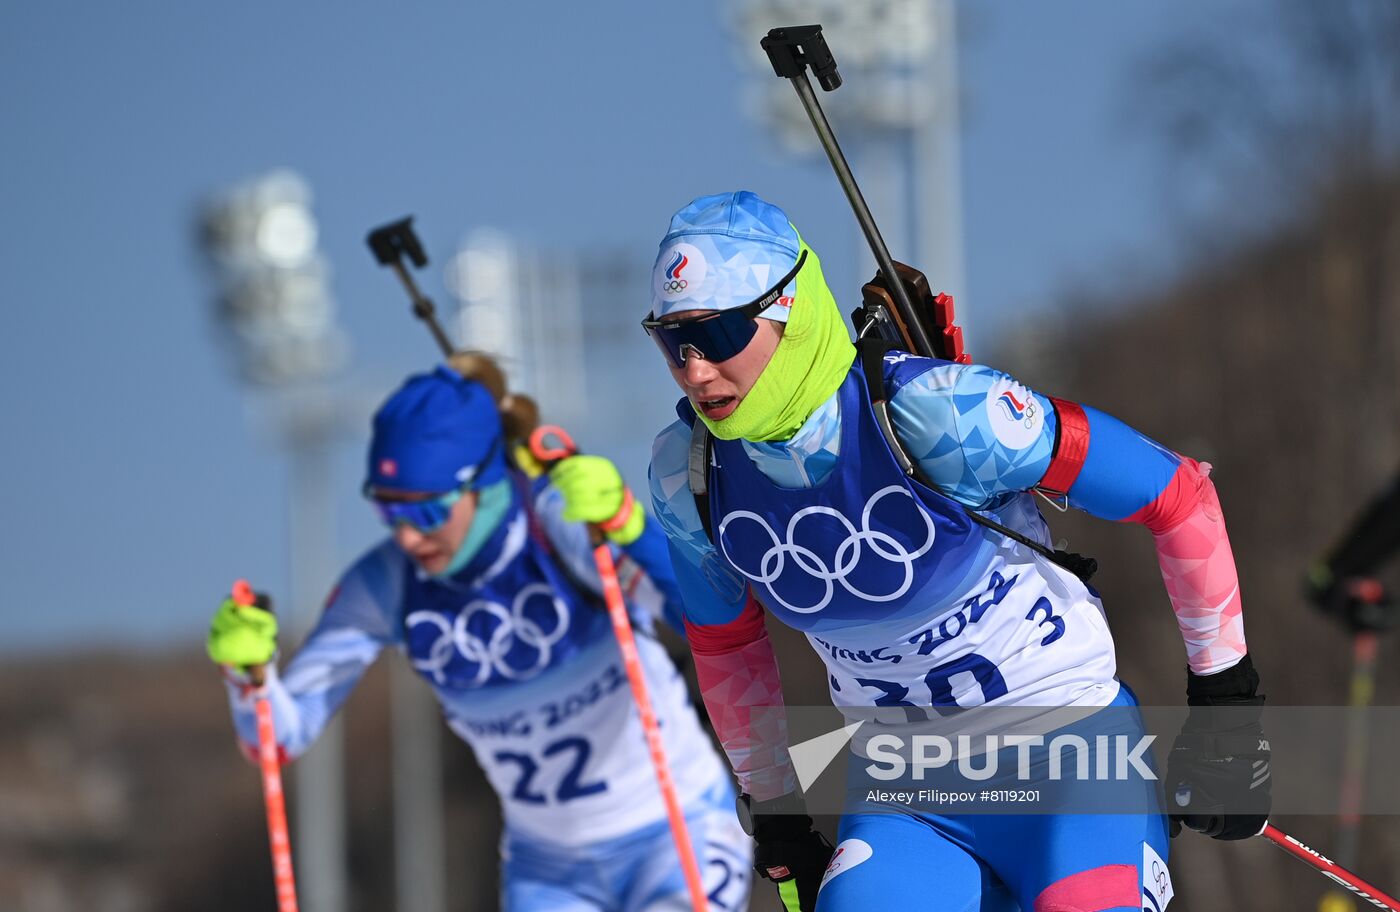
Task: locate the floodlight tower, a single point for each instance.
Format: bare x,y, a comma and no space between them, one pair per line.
259,239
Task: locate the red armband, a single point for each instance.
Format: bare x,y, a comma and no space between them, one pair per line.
1071,447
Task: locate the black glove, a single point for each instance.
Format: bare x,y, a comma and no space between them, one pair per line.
1359,602
787,850
1218,777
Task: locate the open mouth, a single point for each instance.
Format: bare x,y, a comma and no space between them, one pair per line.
717,408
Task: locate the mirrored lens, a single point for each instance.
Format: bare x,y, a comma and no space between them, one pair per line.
423,515
717,337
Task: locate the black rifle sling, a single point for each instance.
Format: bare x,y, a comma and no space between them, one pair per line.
872,355
699,473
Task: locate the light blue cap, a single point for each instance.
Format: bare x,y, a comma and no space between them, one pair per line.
724,251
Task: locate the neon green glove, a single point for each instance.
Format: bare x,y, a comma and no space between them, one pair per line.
242,635
595,493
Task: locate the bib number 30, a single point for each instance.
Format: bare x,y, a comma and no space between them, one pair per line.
939,679
939,682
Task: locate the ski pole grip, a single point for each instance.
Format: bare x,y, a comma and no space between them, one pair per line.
793,48
244,595
549,443
395,240
390,244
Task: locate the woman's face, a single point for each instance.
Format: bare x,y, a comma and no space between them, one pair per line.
717,388
433,551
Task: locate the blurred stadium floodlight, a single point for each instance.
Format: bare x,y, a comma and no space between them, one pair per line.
897,113
550,314
525,306
259,239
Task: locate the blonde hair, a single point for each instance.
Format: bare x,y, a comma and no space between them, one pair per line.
519,413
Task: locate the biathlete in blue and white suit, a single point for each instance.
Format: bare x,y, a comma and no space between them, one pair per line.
909,602
487,584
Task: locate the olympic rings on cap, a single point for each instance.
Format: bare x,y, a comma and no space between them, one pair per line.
675,285
850,553
489,655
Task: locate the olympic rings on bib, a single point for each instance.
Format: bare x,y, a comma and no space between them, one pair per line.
512,625
849,553
675,285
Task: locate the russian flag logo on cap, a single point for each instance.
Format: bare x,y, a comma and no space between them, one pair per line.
681,272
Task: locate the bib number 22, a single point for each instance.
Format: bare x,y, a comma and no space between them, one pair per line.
571,784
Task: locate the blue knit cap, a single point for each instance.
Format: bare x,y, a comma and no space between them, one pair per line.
437,433
724,251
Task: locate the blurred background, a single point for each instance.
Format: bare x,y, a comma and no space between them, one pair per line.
1186,213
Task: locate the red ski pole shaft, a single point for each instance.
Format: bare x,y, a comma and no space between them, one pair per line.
1330,868
548,444
631,661
277,836
270,763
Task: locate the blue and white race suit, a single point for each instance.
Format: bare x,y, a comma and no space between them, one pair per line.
910,603
521,656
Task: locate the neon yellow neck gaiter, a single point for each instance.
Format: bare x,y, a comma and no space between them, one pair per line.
809,364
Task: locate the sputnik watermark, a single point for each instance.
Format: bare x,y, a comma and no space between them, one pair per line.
1117,758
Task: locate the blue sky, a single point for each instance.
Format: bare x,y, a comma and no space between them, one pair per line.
141,478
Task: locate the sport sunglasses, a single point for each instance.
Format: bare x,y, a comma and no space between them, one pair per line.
716,336
423,515
430,514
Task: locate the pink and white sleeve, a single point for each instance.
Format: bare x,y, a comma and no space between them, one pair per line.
738,676
1198,567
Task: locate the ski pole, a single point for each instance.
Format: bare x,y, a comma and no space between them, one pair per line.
1330,868
890,299
1363,682
547,452
271,767
390,244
